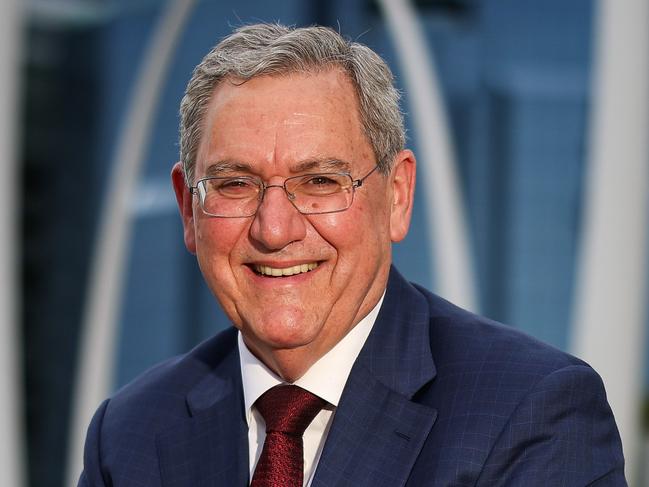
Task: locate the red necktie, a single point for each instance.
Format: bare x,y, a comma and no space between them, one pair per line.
287,411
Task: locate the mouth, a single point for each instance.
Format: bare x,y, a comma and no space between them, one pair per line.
268,271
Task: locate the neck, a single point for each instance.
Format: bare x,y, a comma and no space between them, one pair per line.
289,364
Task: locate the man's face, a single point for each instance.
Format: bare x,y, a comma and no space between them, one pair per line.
274,128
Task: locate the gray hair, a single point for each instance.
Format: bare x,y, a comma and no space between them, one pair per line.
273,49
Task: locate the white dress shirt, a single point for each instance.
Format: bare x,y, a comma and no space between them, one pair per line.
326,379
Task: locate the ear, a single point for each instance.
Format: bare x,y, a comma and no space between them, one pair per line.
402,179
185,204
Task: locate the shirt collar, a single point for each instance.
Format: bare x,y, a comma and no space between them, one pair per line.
326,378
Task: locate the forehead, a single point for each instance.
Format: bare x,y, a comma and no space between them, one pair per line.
275,123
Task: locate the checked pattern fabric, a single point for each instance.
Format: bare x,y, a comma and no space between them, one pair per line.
287,410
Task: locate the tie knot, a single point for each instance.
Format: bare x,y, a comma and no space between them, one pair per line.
288,409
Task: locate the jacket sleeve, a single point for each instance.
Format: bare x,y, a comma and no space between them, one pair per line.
561,433
92,475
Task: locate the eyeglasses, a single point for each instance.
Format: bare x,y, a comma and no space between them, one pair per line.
310,194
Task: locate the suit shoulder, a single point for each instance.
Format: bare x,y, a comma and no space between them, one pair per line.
164,387
126,425
519,409
459,338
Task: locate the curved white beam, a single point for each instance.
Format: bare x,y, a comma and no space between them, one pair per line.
452,257
12,446
100,323
611,286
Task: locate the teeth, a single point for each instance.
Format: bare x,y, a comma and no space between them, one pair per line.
287,271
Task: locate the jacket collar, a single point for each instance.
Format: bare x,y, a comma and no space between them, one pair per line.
210,446
378,430
397,352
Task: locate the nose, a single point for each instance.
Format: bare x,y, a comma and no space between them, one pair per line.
277,222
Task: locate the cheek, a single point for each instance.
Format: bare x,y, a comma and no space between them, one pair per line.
357,235
217,242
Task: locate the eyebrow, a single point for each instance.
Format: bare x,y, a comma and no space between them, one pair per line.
228,166
325,164
218,168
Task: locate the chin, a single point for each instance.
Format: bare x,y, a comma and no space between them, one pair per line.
278,333
281,338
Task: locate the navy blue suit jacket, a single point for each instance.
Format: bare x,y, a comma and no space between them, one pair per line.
437,397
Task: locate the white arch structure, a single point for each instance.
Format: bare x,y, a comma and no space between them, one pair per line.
452,260
101,316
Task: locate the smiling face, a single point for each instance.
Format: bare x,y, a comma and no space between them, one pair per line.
294,284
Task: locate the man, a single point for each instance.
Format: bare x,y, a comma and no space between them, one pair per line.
292,186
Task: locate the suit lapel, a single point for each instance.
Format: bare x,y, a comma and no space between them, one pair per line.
210,447
378,430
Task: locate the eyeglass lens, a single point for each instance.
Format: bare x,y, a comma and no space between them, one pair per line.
310,194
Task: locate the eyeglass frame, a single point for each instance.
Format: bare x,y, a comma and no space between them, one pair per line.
356,183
